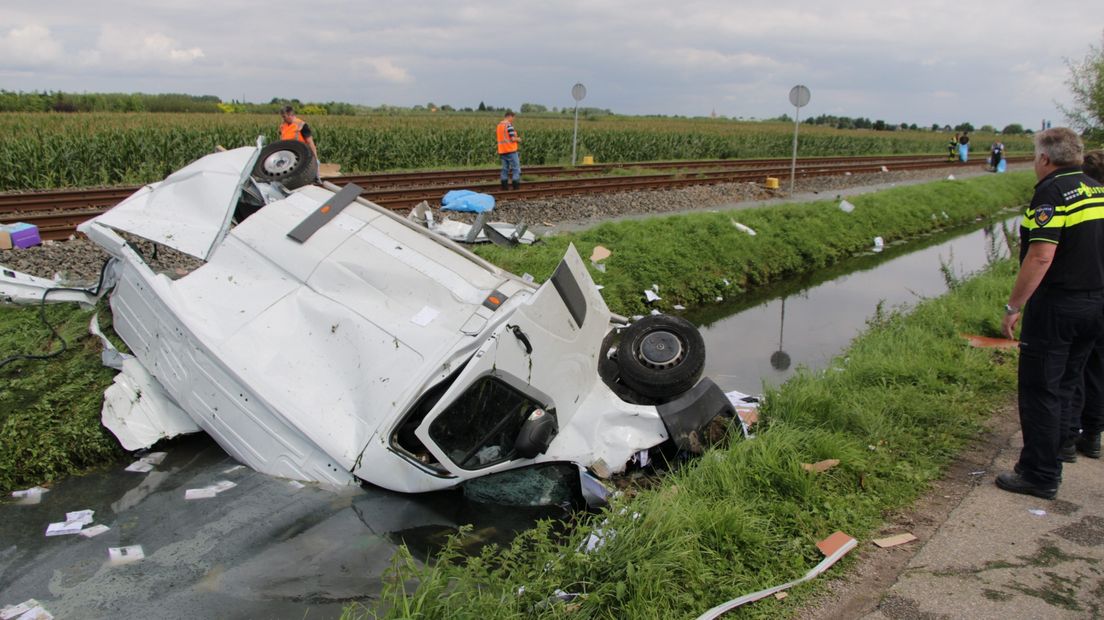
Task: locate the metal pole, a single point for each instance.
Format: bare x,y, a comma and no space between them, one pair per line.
575,134
793,160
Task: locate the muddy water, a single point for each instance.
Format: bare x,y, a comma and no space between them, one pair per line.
804,323
267,549
262,549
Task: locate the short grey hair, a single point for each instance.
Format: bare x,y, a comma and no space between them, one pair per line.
1062,146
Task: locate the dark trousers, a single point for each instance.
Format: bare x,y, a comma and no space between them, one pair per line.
1088,403
1060,328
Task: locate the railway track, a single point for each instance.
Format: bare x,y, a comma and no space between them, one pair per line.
57,213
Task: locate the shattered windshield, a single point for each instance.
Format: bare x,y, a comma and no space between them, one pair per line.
479,428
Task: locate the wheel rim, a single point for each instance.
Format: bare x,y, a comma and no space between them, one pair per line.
280,163
661,350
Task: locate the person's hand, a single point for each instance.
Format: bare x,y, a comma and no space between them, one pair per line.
1008,324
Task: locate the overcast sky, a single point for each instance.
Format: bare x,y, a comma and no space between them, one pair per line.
929,62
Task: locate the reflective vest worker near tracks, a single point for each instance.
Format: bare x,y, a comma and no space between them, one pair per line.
507,137
292,130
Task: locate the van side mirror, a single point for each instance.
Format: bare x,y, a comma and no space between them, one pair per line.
537,433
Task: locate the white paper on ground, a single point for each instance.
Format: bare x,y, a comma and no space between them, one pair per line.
295,484
424,316
204,493
679,307
650,296
154,458
125,555
1038,512
233,469
223,485
63,528
25,493
84,517
95,530
14,611
846,206
140,467
743,227
37,613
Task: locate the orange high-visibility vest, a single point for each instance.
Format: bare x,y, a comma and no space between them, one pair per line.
506,143
292,130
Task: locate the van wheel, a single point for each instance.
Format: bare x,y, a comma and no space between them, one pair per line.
661,356
289,162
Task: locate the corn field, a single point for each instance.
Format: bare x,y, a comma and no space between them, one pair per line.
41,151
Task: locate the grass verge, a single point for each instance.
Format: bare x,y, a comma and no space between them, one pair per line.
691,256
894,409
50,410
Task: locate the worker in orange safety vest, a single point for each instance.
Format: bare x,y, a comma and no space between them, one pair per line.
508,141
295,128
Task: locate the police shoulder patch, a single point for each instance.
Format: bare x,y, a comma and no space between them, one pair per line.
1043,214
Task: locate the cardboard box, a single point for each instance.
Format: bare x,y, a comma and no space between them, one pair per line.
5,239
24,235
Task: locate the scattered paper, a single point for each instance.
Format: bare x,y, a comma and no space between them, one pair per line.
125,555
977,473
884,169
295,484
679,307
140,467
599,254
650,296
719,298
726,282
94,531
950,177
28,497
424,316
1037,512
879,242
945,216
223,485
846,207
14,611
893,541
655,287
742,227
600,267
84,517
655,312
820,466
63,528
154,457
233,469
780,595
204,493
37,613
527,277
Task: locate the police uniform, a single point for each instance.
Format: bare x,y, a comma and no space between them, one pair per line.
1062,318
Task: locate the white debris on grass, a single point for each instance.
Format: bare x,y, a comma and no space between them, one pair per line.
679,307
742,227
846,206
650,296
29,496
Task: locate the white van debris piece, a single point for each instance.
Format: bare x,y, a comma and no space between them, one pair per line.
124,555
299,356
834,547
21,288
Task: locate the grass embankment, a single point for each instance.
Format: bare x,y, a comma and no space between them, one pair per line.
49,411
893,409
691,256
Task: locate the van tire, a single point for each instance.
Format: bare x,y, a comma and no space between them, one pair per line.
288,162
661,356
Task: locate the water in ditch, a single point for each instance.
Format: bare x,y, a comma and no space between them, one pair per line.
267,548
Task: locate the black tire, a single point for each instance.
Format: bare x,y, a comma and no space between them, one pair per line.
661,356
289,162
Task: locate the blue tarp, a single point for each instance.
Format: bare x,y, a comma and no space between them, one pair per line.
963,152
467,200
1001,167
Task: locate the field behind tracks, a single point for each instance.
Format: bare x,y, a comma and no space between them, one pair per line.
42,151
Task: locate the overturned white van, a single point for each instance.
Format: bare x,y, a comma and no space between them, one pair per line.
325,338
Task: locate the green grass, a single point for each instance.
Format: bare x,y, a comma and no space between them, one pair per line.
50,409
894,409
691,256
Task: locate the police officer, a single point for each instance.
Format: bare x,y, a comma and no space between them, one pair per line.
1060,288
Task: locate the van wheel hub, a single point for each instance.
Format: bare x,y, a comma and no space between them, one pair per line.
661,349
